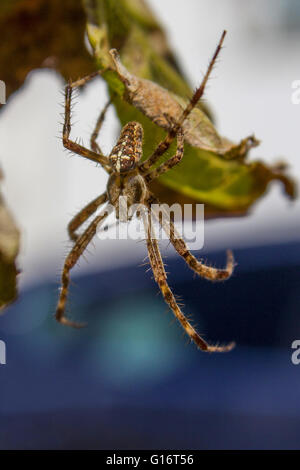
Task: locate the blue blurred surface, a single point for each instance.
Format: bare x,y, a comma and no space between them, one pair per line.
131,380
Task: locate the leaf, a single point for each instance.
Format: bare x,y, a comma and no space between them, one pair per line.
9,249
42,34
163,107
39,33
149,85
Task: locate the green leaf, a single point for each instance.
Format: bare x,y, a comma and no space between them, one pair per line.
38,33
148,84
9,249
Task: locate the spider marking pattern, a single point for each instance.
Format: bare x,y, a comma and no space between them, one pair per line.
129,177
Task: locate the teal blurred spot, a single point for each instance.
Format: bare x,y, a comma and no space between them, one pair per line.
138,342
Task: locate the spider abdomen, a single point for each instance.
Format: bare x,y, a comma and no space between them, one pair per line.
128,150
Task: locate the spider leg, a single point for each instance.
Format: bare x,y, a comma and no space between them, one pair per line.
95,147
82,81
160,277
72,258
208,272
200,90
84,214
165,144
169,163
67,142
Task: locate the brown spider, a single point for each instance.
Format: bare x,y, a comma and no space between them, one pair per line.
129,178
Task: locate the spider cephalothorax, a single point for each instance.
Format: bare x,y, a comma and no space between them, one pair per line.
129,178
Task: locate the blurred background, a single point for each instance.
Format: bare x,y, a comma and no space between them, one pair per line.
131,380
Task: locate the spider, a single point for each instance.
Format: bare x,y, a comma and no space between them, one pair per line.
129,177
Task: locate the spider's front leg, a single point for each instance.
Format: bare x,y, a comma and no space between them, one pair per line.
67,142
72,258
160,277
84,214
208,272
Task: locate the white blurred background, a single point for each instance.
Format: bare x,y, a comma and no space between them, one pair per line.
250,92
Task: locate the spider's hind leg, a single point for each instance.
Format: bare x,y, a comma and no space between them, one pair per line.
164,145
94,146
67,142
171,162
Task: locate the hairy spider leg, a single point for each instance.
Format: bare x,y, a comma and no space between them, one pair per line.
164,145
160,277
207,272
94,146
72,258
67,142
85,214
171,162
